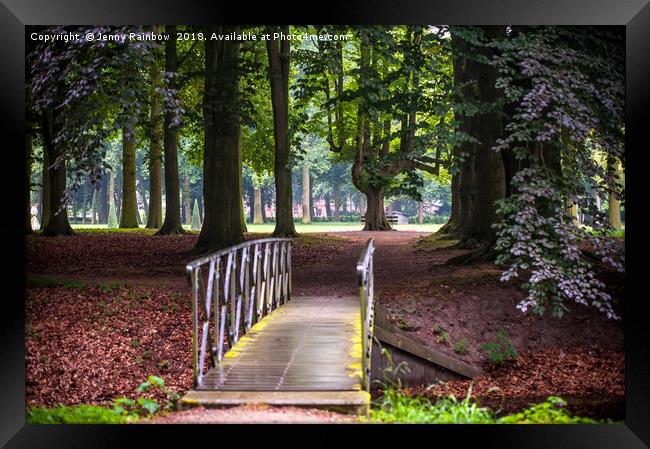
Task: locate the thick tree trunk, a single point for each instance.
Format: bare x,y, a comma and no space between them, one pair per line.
375,216
257,206
145,206
28,178
481,180
337,202
154,216
172,224
57,220
278,54
221,167
129,206
306,200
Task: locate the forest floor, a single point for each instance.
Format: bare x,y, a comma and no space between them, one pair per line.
105,310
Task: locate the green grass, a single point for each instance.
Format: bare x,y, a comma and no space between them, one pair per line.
76,414
396,407
268,228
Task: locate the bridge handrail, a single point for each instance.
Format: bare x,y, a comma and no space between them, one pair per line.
229,289
366,295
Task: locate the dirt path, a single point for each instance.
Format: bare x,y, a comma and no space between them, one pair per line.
256,414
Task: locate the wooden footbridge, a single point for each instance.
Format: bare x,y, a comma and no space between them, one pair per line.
253,342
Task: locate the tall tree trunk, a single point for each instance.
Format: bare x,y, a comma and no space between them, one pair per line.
103,200
84,204
337,202
57,220
311,198
154,216
328,207
278,54
143,197
129,206
172,224
482,176
420,212
240,184
221,166
93,207
306,200
251,201
614,210
45,181
28,178
257,206
117,193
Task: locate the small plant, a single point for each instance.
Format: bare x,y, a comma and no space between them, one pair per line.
461,346
147,354
501,349
75,414
552,411
443,335
134,343
165,364
406,325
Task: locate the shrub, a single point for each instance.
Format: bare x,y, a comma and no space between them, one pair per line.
501,349
196,217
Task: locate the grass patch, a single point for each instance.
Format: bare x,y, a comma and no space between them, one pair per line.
397,407
434,242
76,414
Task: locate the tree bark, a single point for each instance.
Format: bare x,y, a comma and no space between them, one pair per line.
481,180
614,210
306,197
45,180
28,178
103,200
57,220
221,166
420,212
93,207
257,206
84,202
375,215
337,202
172,224
328,207
129,206
278,54
154,216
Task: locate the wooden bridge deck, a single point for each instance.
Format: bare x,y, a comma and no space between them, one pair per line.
305,353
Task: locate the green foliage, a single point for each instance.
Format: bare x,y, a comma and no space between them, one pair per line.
501,349
112,217
551,411
442,335
396,407
76,414
461,346
196,217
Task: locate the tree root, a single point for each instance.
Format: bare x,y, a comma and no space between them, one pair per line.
480,255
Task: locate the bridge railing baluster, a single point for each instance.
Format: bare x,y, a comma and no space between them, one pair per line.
230,301
366,296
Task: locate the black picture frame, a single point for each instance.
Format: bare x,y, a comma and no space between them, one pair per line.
633,14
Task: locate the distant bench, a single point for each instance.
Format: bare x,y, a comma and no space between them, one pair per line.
392,219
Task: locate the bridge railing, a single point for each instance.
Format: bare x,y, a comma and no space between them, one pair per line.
232,289
366,292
